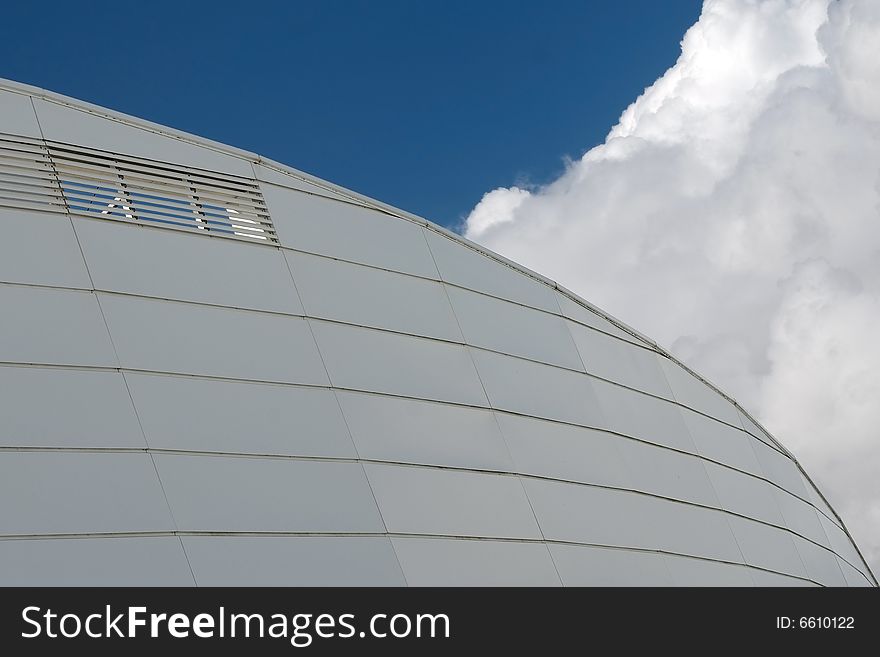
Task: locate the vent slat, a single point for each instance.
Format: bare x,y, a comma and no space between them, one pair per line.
20,174
116,205
154,169
165,190
14,144
19,159
103,199
25,178
160,179
11,201
151,194
52,176
25,152
39,190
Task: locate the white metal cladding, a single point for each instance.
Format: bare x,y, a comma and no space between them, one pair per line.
361,399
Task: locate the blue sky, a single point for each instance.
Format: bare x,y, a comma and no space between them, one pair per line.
423,104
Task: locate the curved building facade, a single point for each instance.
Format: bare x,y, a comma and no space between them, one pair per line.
217,370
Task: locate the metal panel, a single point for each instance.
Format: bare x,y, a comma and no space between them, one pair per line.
801,517
842,545
74,126
642,416
269,175
219,493
622,362
573,310
333,289
42,407
766,578
853,576
692,392
587,514
780,469
513,329
350,232
581,565
721,442
562,451
767,547
745,495
293,561
229,416
687,571
467,267
81,492
60,327
821,564
457,562
174,265
40,248
525,387
116,561
664,472
18,117
414,431
432,501
367,359
819,501
692,530
179,337
754,429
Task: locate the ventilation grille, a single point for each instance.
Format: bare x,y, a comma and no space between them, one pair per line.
50,175
27,179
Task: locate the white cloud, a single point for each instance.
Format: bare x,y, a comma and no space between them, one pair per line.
733,214
495,209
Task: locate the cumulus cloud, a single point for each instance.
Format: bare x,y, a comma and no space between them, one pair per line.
733,214
496,209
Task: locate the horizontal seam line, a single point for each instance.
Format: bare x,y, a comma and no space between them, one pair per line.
390,535
424,466
407,397
347,261
441,340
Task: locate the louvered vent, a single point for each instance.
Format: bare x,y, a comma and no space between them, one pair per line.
45,175
27,179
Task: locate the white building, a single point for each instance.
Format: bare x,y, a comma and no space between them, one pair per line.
215,369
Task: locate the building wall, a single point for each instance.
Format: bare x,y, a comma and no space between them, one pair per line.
364,400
